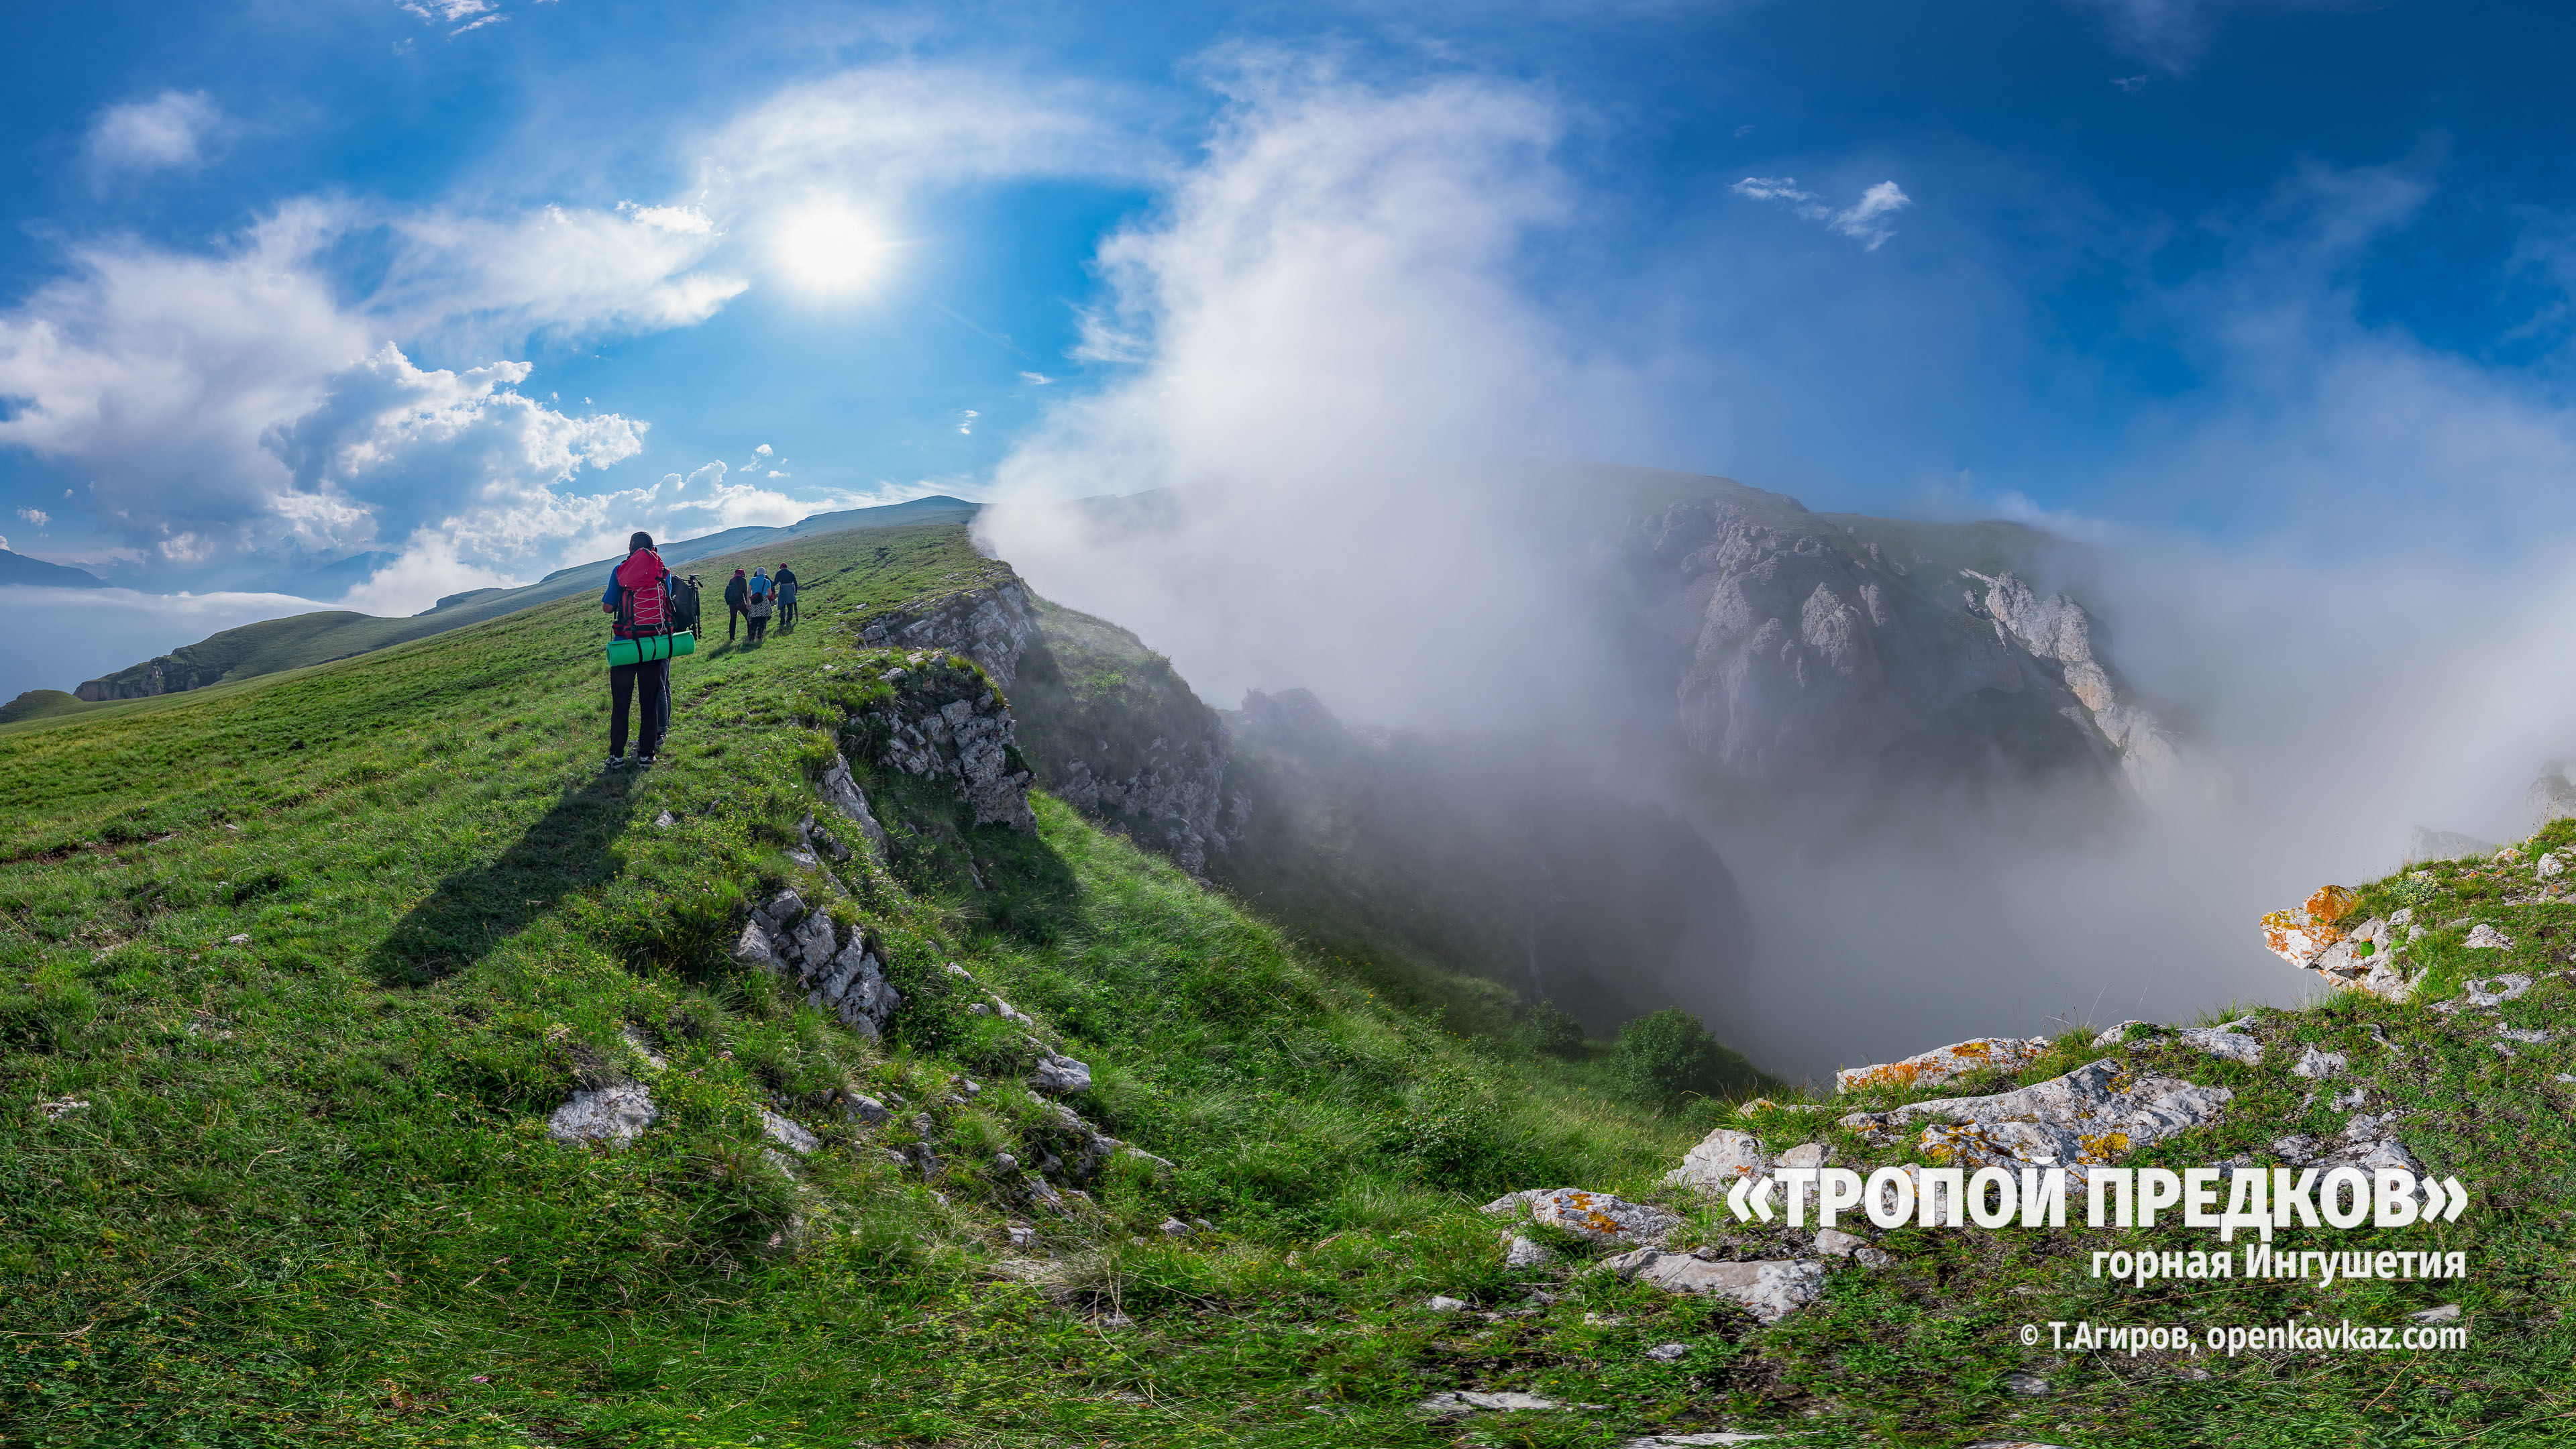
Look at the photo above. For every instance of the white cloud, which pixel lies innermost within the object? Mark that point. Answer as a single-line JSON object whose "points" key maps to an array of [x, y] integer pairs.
{"points": [[458, 470], [166, 132], [1326, 319], [36, 516], [487, 281], [1865, 221], [884, 130], [1036, 379]]}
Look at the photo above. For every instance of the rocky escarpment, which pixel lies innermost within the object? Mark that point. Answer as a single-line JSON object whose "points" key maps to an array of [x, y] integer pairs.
{"points": [[942, 718], [1805, 651], [1115, 732], [1105, 724]]}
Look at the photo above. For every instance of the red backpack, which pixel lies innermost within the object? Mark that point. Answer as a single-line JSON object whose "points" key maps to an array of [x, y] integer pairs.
{"points": [[645, 610]]}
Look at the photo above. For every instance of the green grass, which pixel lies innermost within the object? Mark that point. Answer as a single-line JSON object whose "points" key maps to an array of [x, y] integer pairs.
{"points": [[310, 1197]]}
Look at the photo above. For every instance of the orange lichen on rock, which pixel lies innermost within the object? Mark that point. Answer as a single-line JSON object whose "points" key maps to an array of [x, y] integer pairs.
{"points": [[2300, 936]]}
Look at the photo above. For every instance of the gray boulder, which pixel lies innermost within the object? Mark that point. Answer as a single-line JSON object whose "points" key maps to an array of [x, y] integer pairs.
{"points": [[2081, 1119], [1770, 1290], [613, 1115]]}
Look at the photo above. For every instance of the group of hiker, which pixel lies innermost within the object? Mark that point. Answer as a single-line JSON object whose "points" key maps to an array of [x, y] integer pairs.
{"points": [[756, 598], [655, 615]]}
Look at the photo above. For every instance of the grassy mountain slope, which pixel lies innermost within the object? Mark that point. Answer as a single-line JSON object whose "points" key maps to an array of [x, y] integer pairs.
{"points": [[292, 971], [298, 640], [316, 955]]}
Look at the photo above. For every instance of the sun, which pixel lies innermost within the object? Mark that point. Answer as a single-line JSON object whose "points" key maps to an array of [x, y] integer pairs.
{"points": [[832, 248]]}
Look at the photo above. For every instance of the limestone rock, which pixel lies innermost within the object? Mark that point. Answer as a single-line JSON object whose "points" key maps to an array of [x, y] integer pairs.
{"points": [[787, 1133], [2087, 1117], [842, 789], [1679, 1441], [1520, 1252], [1806, 1154], [861, 1108], [1060, 1074], [1721, 1159], [1835, 1243], [2120, 1033], [2320, 1064], [2483, 937], [852, 985], [1669, 1352], [2487, 991], [614, 1115], [1597, 1216], [2223, 1041], [1770, 1290], [1944, 1064], [1454, 1405]]}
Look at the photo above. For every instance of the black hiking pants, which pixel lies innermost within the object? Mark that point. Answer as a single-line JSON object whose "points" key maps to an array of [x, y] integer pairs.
{"points": [[625, 681], [733, 618]]}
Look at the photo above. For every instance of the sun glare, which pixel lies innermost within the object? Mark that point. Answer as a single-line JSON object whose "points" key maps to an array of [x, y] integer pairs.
{"points": [[832, 249]]}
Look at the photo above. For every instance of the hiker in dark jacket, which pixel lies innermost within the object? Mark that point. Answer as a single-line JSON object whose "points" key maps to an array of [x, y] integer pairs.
{"points": [[786, 584], [736, 592], [638, 598]]}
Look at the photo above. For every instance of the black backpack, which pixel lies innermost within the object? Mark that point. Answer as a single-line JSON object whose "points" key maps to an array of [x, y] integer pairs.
{"points": [[684, 604]]}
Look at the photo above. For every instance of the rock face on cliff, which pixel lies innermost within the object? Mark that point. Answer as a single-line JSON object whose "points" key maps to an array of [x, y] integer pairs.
{"points": [[1812, 647], [945, 720], [1104, 723], [1114, 732]]}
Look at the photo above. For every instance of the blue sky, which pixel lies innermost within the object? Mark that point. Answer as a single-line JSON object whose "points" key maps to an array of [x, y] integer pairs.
{"points": [[462, 290]]}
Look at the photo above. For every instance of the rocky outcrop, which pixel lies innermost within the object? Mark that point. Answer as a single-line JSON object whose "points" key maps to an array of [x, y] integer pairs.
{"points": [[990, 625], [1806, 655], [2056, 629], [843, 974], [2088, 1117], [1114, 732], [945, 719], [1770, 1290], [1943, 1065]]}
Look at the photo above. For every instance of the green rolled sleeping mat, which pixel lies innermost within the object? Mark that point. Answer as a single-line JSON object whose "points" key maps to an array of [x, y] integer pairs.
{"points": [[652, 647]]}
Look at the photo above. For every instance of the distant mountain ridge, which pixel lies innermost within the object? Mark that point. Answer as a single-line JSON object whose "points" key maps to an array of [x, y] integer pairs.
{"points": [[299, 640], [17, 568]]}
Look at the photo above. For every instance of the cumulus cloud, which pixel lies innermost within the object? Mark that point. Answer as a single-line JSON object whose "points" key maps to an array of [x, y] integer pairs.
{"points": [[457, 469], [168, 132], [1319, 325], [36, 516], [193, 391], [1865, 221], [888, 129]]}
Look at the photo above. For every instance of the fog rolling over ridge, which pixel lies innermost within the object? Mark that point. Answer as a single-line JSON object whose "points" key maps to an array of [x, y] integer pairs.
{"points": [[1933, 834], [1938, 826]]}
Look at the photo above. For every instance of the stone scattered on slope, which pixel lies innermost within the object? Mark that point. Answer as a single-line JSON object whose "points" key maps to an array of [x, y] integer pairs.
{"points": [[1943, 1065], [2444, 1314], [1060, 1074], [1668, 1352], [2487, 991], [1463, 1402], [2225, 1040], [1594, 1216], [614, 1115], [2120, 1033], [842, 789], [1835, 1243], [787, 1133], [1806, 1154], [2483, 937], [2085, 1118], [2320, 1064], [1442, 1303], [1520, 1252], [1676, 1441], [1770, 1290], [1722, 1159]]}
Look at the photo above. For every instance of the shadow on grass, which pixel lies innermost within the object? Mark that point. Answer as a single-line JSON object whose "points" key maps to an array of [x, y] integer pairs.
{"points": [[477, 908]]}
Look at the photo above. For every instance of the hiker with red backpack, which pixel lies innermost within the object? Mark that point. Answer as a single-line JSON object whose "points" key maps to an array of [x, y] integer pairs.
{"points": [[639, 597]]}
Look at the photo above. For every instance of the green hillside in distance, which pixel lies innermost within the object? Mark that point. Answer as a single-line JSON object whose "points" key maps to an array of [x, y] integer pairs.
{"points": [[305, 639]]}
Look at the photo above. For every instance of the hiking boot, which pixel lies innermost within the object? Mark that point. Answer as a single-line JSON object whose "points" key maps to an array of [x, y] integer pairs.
{"points": [[643, 762], [615, 763]]}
